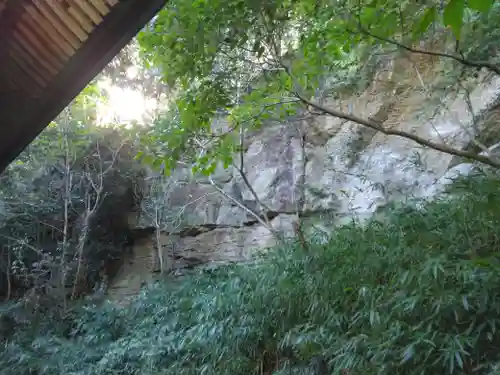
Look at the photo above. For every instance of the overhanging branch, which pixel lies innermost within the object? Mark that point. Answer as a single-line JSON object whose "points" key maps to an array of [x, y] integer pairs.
{"points": [[399, 133], [473, 64]]}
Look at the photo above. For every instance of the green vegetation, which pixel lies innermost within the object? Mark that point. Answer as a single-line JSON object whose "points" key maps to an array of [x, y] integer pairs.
{"points": [[260, 60], [418, 294], [64, 202]]}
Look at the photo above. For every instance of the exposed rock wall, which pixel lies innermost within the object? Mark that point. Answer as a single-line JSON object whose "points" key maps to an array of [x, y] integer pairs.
{"points": [[343, 170]]}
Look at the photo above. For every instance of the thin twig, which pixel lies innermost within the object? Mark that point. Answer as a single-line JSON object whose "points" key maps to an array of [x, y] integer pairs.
{"points": [[476, 142], [9, 277], [159, 219]]}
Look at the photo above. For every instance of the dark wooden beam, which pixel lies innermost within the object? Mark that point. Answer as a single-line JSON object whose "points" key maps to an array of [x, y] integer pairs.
{"points": [[10, 16], [124, 21], [11, 13]]}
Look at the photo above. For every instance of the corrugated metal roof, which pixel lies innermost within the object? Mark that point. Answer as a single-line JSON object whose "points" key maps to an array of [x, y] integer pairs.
{"points": [[49, 51]]}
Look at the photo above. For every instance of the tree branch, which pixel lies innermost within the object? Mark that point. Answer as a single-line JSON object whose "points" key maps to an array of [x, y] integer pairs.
{"points": [[243, 175], [403, 134], [468, 101], [301, 184], [91, 209], [245, 208], [236, 201], [240, 169], [473, 64], [158, 202]]}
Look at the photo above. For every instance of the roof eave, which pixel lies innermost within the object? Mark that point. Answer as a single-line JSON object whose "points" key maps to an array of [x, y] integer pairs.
{"points": [[118, 28]]}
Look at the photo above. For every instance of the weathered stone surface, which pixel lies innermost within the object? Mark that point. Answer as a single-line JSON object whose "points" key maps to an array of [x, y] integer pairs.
{"points": [[349, 171], [273, 166], [173, 205], [223, 244], [357, 180], [135, 272], [460, 170], [193, 248]]}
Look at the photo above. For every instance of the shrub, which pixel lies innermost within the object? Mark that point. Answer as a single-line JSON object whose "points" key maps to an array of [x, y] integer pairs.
{"points": [[418, 293]]}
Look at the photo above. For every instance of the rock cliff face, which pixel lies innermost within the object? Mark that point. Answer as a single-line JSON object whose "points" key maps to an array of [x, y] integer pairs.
{"points": [[330, 169]]}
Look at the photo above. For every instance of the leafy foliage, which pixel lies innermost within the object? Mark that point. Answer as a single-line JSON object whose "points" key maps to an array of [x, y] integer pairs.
{"points": [[58, 176], [417, 293], [251, 58]]}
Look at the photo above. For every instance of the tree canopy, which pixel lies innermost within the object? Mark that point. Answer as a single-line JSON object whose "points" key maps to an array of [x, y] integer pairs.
{"points": [[255, 61]]}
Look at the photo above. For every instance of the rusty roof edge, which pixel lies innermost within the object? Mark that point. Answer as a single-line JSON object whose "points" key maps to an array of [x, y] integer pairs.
{"points": [[96, 53]]}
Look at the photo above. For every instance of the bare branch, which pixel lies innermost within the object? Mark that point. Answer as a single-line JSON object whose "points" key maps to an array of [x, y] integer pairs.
{"points": [[483, 148], [68, 178], [158, 205], [240, 169], [9, 277], [301, 184], [242, 154], [245, 208], [473, 64], [470, 107], [422, 141], [92, 209]]}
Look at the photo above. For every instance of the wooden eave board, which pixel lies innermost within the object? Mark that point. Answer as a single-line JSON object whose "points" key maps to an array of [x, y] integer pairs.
{"points": [[49, 51]]}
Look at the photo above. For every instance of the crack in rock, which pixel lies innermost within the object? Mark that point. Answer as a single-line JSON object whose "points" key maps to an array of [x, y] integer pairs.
{"points": [[196, 230]]}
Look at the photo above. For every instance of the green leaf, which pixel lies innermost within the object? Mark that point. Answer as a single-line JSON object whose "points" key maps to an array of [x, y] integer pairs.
{"points": [[157, 163], [368, 16], [148, 159], [453, 16], [423, 24], [139, 155], [480, 5]]}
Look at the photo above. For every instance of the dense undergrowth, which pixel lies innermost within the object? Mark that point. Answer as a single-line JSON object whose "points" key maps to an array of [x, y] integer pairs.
{"points": [[417, 294]]}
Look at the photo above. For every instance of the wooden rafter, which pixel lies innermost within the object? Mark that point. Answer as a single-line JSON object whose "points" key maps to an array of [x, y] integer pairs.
{"points": [[49, 51]]}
